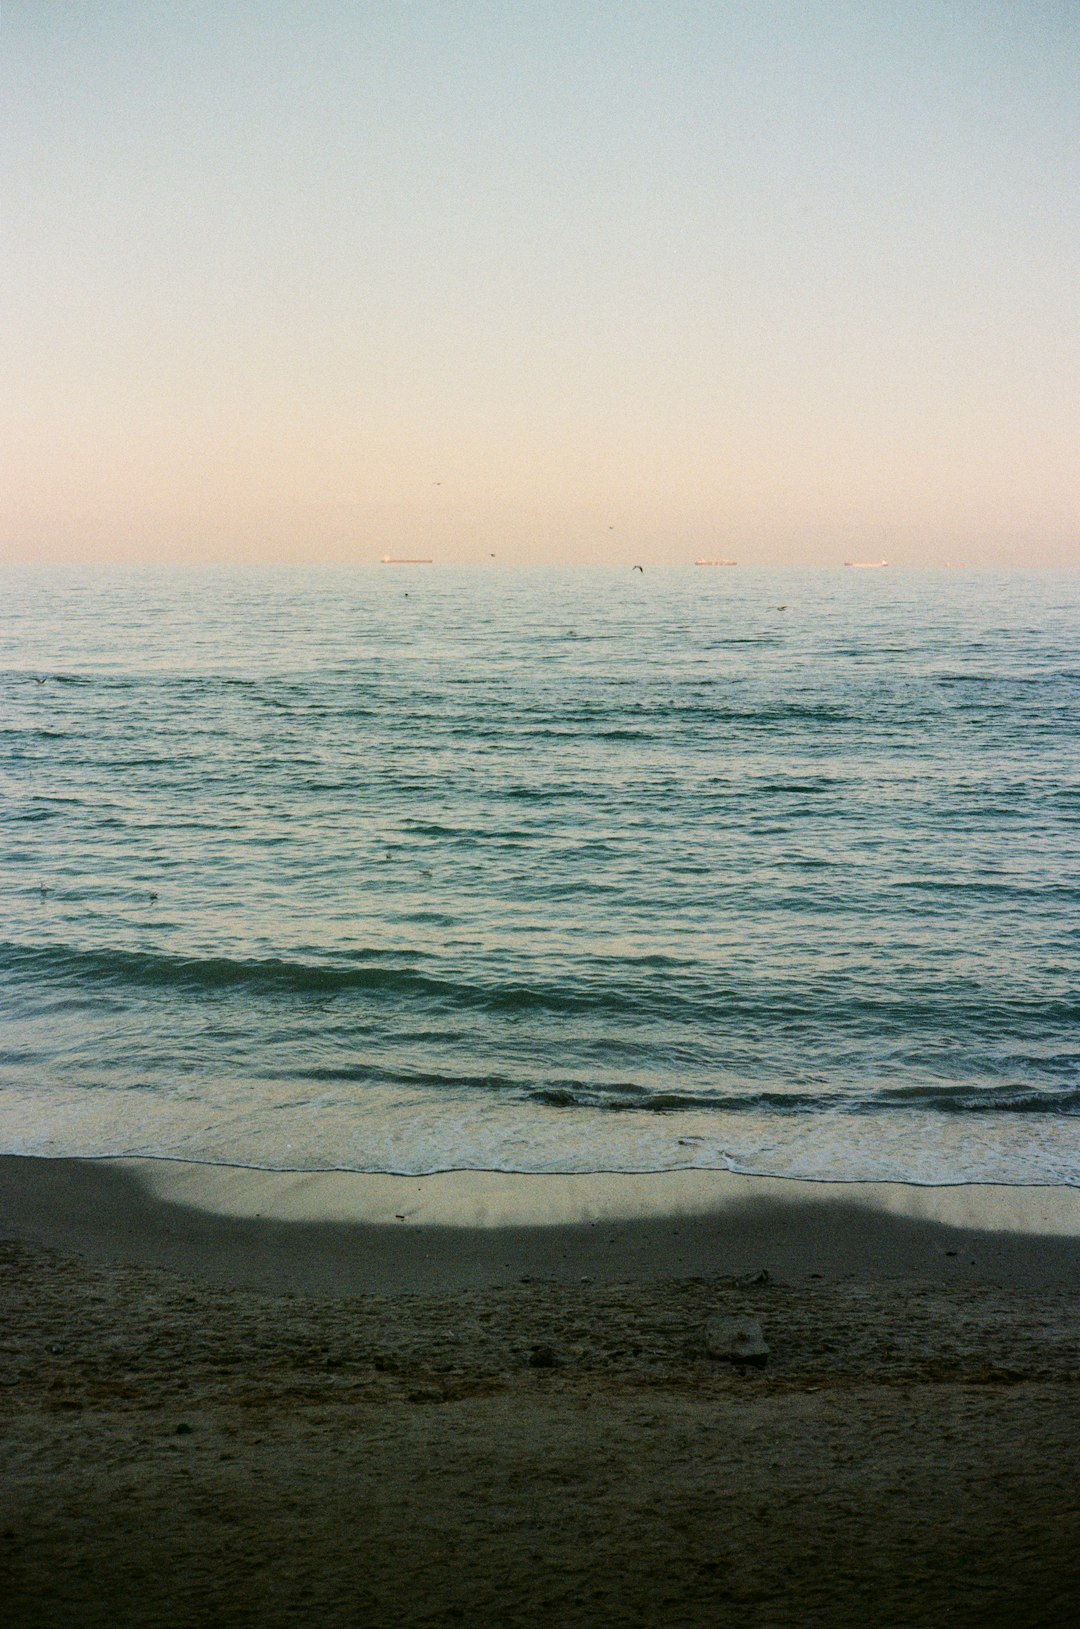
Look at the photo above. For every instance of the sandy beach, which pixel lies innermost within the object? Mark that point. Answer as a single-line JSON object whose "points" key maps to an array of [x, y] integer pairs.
{"points": [[240, 1398]]}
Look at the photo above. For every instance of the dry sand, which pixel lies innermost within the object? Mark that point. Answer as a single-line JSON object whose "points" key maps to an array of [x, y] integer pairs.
{"points": [[233, 1399]]}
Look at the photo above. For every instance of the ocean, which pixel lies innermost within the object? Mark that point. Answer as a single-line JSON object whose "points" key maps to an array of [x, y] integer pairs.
{"points": [[411, 869]]}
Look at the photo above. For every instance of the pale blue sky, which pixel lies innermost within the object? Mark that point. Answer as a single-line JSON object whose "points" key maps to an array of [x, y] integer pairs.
{"points": [[781, 280]]}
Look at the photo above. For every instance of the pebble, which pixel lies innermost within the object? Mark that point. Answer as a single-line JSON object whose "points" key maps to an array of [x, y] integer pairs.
{"points": [[736, 1340]]}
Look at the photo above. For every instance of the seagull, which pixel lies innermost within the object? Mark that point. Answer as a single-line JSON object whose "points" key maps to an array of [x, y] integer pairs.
{"points": [[45, 680], [641, 569]]}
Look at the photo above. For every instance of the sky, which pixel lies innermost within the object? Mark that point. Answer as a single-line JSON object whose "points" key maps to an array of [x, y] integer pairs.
{"points": [[554, 281]]}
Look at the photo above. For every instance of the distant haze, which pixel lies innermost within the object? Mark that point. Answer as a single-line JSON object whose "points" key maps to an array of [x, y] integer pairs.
{"points": [[792, 281]]}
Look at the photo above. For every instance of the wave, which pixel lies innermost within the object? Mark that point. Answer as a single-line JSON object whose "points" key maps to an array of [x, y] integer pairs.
{"points": [[601, 986], [942, 1099], [275, 977]]}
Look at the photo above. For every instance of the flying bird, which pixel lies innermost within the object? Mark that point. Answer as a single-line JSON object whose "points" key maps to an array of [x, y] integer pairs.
{"points": [[641, 569]]}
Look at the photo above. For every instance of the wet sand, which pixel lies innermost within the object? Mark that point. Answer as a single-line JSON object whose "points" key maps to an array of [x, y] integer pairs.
{"points": [[231, 1398]]}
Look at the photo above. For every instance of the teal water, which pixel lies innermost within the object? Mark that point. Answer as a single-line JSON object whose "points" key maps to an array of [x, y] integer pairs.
{"points": [[413, 869]]}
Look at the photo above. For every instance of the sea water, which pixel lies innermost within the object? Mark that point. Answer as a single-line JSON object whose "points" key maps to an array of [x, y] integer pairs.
{"points": [[408, 868]]}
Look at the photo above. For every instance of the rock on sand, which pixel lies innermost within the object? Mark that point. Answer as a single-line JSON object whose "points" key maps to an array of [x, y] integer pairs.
{"points": [[735, 1340]]}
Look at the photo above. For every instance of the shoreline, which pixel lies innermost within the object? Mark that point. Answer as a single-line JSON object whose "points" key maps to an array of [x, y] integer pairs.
{"points": [[354, 1234]]}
